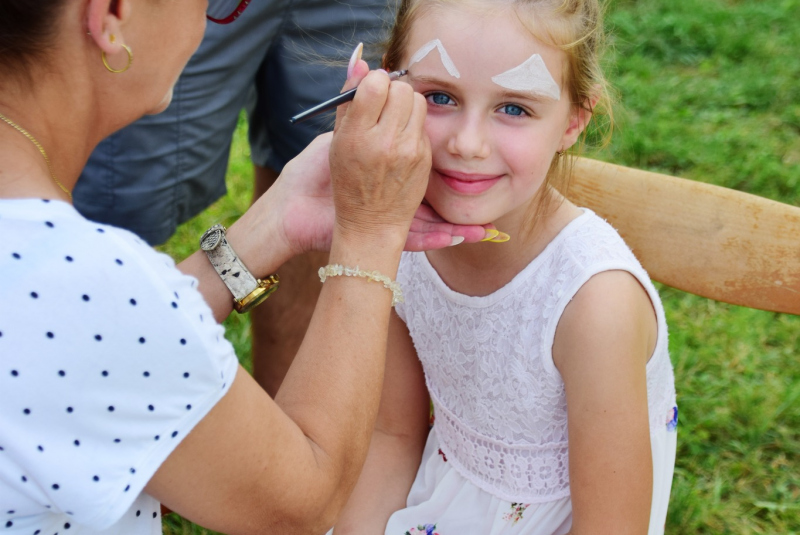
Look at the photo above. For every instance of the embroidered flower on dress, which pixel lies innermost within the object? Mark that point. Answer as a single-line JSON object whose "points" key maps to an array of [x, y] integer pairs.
{"points": [[516, 512], [672, 419], [426, 529], [443, 455]]}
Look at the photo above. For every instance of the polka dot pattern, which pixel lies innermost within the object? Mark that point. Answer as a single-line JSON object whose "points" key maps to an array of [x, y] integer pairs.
{"points": [[119, 345]]}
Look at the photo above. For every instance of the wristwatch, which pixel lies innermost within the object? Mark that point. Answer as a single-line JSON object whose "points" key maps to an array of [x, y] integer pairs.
{"points": [[247, 290]]}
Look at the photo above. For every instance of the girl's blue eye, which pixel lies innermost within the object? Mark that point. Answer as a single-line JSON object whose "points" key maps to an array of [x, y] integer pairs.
{"points": [[440, 99], [513, 109]]}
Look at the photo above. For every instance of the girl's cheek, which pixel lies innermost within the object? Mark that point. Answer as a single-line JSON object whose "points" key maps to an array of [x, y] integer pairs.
{"points": [[436, 128], [526, 144]]}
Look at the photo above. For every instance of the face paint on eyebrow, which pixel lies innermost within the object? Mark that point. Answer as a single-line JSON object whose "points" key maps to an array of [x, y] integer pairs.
{"points": [[531, 76], [445, 57]]}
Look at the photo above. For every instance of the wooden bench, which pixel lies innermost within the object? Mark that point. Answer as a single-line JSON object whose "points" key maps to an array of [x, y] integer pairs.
{"points": [[707, 240]]}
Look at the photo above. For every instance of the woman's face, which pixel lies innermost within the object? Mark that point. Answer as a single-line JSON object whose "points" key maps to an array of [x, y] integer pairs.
{"points": [[163, 35]]}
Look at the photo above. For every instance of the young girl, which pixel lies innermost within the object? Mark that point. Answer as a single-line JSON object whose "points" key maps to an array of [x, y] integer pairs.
{"points": [[545, 358]]}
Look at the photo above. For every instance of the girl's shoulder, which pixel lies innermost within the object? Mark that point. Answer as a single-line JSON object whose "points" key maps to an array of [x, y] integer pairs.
{"points": [[590, 246], [590, 240], [593, 270]]}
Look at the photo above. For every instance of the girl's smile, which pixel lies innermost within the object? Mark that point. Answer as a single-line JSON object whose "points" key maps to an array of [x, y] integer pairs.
{"points": [[466, 183]]}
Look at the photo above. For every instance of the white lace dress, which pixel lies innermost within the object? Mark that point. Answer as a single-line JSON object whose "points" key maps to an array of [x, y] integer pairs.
{"points": [[496, 459]]}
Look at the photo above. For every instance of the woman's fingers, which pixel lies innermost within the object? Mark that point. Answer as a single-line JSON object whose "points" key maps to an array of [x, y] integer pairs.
{"points": [[429, 231], [427, 241], [419, 112], [360, 70], [426, 213], [399, 105], [379, 163], [366, 108]]}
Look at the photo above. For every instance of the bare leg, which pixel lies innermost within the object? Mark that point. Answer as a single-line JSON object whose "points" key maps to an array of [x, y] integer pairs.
{"points": [[279, 325]]}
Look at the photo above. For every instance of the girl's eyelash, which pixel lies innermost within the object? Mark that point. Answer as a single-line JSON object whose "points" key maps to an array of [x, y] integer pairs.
{"points": [[430, 96], [524, 111]]}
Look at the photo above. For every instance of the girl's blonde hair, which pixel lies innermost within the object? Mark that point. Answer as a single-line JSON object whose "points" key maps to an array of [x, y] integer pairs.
{"points": [[573, 26]]}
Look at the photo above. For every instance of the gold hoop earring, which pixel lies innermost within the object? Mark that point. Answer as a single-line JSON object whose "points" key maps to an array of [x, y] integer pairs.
{"points": [[560, 153], [118, 71]]}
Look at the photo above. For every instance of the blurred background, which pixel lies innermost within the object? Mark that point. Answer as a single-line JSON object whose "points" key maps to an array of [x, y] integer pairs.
{"points": [[708, 90]]}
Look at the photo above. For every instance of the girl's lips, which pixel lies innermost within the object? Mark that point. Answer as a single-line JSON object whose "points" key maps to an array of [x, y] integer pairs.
{"points": [[469, 184]]}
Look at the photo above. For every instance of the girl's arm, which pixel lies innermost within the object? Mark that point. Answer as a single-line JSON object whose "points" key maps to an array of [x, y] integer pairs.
{"points": [[397, 443], [603, 342]]}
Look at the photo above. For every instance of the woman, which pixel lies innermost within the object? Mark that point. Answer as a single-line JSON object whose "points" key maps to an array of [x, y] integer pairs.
{"points": [[117, 390]]}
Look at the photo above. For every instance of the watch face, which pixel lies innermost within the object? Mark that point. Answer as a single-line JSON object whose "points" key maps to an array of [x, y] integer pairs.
{"points": [[211, 239]]}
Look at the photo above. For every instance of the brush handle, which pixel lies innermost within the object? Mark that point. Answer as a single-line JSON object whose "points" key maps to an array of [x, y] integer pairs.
{"points": [[336, 101]]}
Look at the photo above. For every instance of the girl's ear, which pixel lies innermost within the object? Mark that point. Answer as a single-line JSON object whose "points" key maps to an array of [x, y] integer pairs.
{"points": [[104, 21], [578, 121]]}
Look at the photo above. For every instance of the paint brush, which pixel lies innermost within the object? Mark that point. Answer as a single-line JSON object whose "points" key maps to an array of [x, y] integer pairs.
{"points": [[338, 100]]}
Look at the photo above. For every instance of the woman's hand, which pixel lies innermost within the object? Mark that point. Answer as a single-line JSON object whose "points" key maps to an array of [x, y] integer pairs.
{"points": [[307, 199], [380, 157], [308, 213], [429, 231]]}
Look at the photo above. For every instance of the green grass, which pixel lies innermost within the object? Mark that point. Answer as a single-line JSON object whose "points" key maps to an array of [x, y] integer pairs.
{"points": [[708, 90]]}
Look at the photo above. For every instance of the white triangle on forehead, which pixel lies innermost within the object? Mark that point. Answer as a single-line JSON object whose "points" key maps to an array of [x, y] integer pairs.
{"points": [[531, 76], [445, 57]]}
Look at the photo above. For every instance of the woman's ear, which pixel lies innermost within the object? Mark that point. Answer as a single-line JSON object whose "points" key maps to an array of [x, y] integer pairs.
{"points": [[104, 21]]}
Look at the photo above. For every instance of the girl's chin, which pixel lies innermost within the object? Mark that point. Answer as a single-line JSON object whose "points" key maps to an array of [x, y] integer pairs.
{"points": [[457, 215]]}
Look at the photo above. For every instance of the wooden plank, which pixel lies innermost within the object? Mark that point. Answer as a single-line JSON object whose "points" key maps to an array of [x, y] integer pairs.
{"points": [[707, 240]]}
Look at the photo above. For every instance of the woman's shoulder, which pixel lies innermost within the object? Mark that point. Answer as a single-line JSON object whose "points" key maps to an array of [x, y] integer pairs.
{"points": [[43, 222], [42, 235], [65, 268]]}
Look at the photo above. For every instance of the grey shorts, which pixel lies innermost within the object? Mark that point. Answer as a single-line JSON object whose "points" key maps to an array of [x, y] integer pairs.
{"points": [[274, 61]]}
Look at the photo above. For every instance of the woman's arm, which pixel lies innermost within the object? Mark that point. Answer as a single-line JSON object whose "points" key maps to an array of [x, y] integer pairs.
{"points": [[301, 199], [296, 215], [603, 342], [254, 465], [397, 443]]}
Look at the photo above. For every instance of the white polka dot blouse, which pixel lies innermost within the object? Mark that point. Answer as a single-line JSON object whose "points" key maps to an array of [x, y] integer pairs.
{"points": [[108, 358]]}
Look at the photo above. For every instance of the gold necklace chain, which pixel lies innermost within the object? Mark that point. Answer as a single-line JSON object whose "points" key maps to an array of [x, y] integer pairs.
{"points": [[38, 145]]}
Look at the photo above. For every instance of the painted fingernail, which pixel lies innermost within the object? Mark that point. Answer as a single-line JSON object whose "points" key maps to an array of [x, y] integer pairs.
{"points": [[490, 234], [354, 59], [456, 240], [501, 237]]}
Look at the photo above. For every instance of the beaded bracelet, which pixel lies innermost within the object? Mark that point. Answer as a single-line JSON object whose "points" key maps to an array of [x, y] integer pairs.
{"points": [[337, 270]]}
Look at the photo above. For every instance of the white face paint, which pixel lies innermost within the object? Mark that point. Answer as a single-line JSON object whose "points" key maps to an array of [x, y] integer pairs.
{"points": [[531, 76], [445, 57]]}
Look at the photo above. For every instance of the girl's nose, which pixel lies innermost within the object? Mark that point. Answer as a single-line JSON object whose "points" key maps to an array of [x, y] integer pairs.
{"points": [[470, 140]]}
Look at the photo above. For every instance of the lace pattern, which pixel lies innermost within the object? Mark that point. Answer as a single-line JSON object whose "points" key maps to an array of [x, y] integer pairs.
{"points": [[500, 403], [534, 473]]}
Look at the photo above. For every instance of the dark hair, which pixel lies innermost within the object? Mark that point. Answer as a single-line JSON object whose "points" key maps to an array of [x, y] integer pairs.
{"points": [[27, 29]]}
